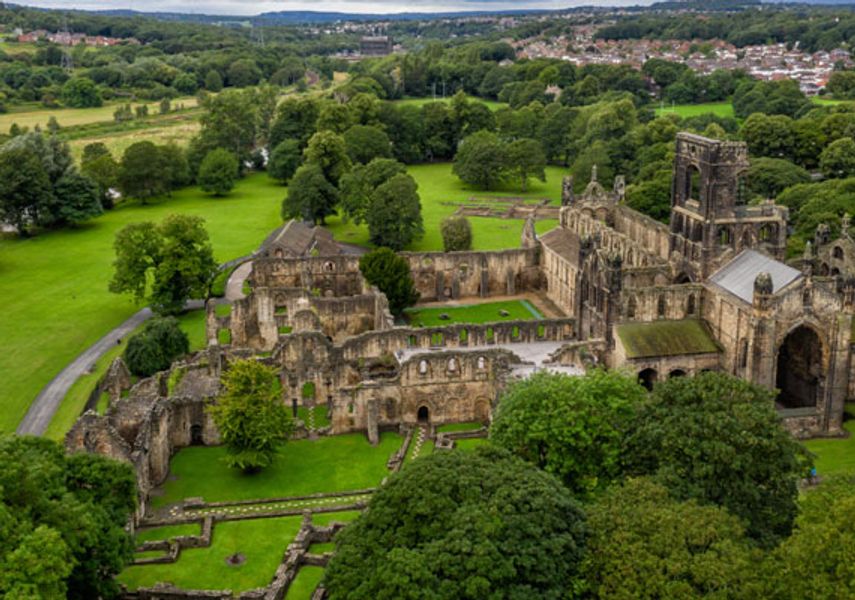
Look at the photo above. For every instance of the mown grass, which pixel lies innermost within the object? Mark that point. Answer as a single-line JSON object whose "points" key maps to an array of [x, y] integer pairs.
{"points": [[474, 313], [441, 193], [456, 427], [471, 444], [166, 533], [262, 542], [68, 117], [324, 519], [305, 583], [491, 104], [329, 464], [720, 109], [55, 285], [836, 456]]}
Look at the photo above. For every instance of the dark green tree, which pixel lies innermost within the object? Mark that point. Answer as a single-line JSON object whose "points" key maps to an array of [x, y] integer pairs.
{"points": [[25, 189], [328, 151], [718, 440], [176, 168], [838, 159], [104, 171], [526, 160], [175, 258], [76, 199], [250, 416], [481, 160], [218, 172], [230, 120], [394, 215], [141, 172], [213, 81], [285, 160], [768, 177], [456, 234], [462, 525], [156, 347], [392, 276], [364, 143], [357, 186], [81, 92], [311, 197], [573, 427]]}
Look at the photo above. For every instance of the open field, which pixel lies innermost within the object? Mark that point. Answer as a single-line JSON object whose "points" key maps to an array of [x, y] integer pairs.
{"points": [[55, 284], [68, 117], [328, 464], [440, 190], [836, 456], [491, 104], [262, 542], [721, 109], [518, 310], [178, 133]]}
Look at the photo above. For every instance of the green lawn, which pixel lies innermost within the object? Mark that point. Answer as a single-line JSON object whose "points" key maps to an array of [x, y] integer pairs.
{"points": [[440, 190], [836, 456], [491, 104], [262, 542], [470, 444], [157, 534], [321, 548], [721, 109], [324, 519], [518, 310], [329, 464], [305, 583], [457, 427], [55, 285]]}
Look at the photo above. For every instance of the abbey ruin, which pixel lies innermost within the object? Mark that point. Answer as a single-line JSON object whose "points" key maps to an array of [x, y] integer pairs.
{"points": [[710, 291]]}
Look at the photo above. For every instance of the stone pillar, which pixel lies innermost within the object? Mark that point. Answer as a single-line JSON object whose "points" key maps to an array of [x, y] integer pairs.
{"points": [[211, 323], [510, 282], [440, 285], [371, 422]]}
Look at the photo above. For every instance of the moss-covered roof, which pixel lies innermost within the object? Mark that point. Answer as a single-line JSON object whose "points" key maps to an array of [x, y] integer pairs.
{"points": [[666, 338]]}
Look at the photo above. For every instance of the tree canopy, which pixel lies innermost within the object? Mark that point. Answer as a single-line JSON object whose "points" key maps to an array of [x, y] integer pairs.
{"points": [[311, 196], [218, 172], [394, 215], [155, 347], [391, 274]]}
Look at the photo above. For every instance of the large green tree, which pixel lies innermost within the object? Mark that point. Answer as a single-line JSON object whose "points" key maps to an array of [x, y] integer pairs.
{"points": [[285, 160], [525, 161], [462, 525], [837, 161], [573, 427], [768, 177], [481, 160], [357, 187], [155, 347], [364, 143], [391, 274], [328, 151], [168, 263], [25, 189], [218, 172], [252, 420], [717, 439], [644, 544], [230, 120], [311, 197], [81, 92], [141, 172], [394, 216], [62, 519]]}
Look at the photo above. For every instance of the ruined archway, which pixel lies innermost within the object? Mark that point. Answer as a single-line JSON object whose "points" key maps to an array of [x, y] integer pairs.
{"points": [[647, 378], [423, 415], [799, 369], [196, 437]]}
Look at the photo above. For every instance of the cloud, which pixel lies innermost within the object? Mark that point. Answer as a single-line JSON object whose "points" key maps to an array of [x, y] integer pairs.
{"points": [[254, 7]]}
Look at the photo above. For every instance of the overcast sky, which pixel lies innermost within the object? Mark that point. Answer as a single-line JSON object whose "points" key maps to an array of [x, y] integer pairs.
{"points": [[253, 7]]}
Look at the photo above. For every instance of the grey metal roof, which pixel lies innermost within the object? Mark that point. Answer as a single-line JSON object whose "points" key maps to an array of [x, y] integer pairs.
{"points": [[737, 276]]}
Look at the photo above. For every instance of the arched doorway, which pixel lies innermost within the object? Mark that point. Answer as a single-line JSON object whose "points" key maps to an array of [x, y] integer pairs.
{"points": [[196, 435], [424, 414], [647, 378], [676, 373], [682, 278], [799, 369]]}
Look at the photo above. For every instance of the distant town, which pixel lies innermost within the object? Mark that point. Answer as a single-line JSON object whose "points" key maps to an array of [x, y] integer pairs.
{"points": [[64, 38]]}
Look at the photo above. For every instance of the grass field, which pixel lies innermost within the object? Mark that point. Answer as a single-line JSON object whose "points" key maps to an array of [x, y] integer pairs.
{"points": [[55, 284], [305, 583], [179, 133], [518, 310], [165, 533], [491, 104], [68, 117], [721, 109], [471, 444], [262, 542], [441, 192], [457, 427], [836, 456], [329, 464]]}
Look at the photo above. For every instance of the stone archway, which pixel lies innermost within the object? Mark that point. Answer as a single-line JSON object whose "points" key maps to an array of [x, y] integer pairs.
{"points": [[677, 373], [647, 378], [196, 435], [800, 360], [423, 415]]}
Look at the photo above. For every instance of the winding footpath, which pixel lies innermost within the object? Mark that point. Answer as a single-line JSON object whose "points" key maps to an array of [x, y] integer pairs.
{"points": [[45, 405]]}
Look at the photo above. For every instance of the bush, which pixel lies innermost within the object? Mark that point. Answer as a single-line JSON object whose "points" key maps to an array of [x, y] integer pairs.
{"points": [[456, 234], [218, 172], [155, 348]]}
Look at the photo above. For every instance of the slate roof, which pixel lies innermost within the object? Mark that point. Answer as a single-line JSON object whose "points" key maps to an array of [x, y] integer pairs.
{"points": [[296, 239], [563, 242], [737, 276]]}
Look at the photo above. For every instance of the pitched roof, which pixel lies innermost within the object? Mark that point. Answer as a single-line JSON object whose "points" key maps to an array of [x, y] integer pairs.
{"points": [[563, 242], [666, 338], [737, 276], [297, 239]]}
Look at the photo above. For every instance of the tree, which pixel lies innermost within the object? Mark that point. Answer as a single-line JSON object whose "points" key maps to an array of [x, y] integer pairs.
{"points": [[141, 172], [327, 150], [213, 81], [25, 189], [365, 143], [357, 186], [717, 439], [525, 160], [310, 196], [104, 171], [768, 177], [481, 160], [176, 168], [391, 274], [462, 525], [156, 347], [250, 416], [175, 257], [244, 72], [76, 199], [394, 216], [456, 234], [187, 84], [285, 160], [218, 172], [63, 521], [81, 92], [572, 427], [838, 159], [645, 544], [230, 121]]}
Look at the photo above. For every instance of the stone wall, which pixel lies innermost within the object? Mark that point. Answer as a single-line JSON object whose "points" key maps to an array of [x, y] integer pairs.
{"points": [[671, 302]]}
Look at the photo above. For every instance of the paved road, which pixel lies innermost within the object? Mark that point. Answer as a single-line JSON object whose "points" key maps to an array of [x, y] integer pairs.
{"points": [[47, 402]]}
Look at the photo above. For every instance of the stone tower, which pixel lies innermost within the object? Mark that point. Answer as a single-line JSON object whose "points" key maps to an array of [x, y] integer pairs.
{"points": [[711, 221]]}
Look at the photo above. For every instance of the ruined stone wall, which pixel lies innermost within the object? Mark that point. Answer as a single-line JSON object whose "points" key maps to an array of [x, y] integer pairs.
{"points": [[333, 276], [561, 281], [648, 233], [585, 225], [451, 275], [671, 302]]}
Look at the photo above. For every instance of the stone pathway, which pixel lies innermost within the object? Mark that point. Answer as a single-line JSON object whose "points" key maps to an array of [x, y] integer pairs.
{"points": [[421, 436], [311, 422], [263, 508]]}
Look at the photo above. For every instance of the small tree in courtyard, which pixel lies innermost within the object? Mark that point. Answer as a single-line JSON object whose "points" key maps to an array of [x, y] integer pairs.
{"points": [[395, 213], [250, 416], [456, 234], [155, 348], [218, 172], [391, 274]]}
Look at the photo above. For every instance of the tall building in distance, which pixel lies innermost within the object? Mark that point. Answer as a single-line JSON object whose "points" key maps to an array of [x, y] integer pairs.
{"points": [[376, 45]]}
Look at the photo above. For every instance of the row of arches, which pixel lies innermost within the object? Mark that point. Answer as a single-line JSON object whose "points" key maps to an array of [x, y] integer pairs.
{"points": [[691, 307]]}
